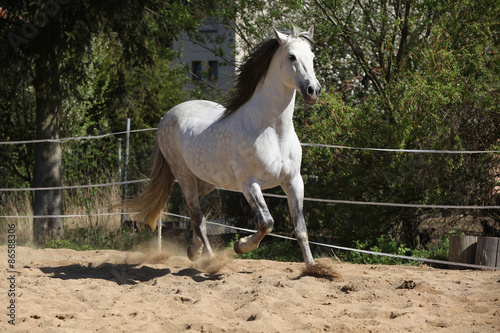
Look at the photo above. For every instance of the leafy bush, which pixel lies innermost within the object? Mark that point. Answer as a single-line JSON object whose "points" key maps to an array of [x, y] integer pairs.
{"points": [[276, 249], [438, 252], [383, 245], [390, 246]]}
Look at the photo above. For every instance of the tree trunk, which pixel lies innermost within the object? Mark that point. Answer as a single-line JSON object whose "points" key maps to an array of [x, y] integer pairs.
{"points": [[48, 156]]}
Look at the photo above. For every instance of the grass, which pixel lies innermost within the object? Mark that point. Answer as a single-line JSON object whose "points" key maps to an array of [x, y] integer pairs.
{"points": [[16, 204], [86, 202], [99, 238]]}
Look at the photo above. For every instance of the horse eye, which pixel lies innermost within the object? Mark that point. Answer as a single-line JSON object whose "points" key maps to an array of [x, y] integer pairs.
{"points": [[292, 57]]}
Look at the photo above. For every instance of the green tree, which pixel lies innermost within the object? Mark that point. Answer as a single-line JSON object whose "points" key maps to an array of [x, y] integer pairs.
{"points": [[50, 40], [399, 74], [419, 75], [402, 74]]}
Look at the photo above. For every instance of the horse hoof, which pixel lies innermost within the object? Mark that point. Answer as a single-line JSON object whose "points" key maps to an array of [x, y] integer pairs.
{"points": [[243, 245], [237, 248], [194, 253]]}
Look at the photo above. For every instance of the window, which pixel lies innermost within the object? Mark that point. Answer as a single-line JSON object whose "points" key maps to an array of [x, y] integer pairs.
{"points": [[200, 71], [213, 70], [208, 25], [196, 70]]}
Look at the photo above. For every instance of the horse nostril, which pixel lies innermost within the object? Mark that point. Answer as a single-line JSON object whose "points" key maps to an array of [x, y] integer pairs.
{"points": [[318, 92], [310, 90]]}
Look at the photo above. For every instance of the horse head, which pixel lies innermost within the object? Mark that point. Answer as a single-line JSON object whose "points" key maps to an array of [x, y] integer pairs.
{"points": [[297, 63]]}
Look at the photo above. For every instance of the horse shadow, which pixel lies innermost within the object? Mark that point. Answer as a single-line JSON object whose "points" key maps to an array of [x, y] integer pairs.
{"points": [[197, 275], [119, 273], [123, 273]]}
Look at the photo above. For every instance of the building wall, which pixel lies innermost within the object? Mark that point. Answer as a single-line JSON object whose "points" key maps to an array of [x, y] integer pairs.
{"points": [[201, 56]]}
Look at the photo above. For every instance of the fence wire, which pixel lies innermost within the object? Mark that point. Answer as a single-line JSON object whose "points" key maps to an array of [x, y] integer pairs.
{"points": [[270, 195], [421, 151], [76, 138]]}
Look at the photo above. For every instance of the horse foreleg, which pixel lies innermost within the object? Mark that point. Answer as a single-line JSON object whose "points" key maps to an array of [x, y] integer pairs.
{"points": [[294, 190], [254, 196]]}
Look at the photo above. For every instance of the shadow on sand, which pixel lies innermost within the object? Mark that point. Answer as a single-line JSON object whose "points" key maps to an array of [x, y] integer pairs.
{"points": [[119, 273]]}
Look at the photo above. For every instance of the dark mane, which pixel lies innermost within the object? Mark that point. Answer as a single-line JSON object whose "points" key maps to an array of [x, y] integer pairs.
{"points": [[253, 69], [250, 73]]}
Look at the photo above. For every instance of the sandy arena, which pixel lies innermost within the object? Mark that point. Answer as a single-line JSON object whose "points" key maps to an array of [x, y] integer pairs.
{"points": [[111, 291]]}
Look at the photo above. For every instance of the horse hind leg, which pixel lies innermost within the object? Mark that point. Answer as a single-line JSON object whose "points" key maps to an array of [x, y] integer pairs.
{"points": [[193, 196], [254, 196], [200, 238]]}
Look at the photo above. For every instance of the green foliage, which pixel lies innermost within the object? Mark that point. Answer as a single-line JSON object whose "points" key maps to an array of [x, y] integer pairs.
{"points": [[278, 250], [98, 238], [438, 252], [436, 87], [66, 244], [16, 123], [414, 75], [390, 246], [114, 66], [383, 245]]}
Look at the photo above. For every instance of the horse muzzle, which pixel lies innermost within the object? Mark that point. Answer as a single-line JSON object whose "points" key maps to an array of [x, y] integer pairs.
{"points": [[310, 92]]}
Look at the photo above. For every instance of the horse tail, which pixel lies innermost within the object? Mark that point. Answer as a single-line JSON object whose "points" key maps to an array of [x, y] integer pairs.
{"points": [[150, 203]]}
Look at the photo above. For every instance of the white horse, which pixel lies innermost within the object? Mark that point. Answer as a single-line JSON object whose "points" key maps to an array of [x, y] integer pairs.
{"points": [[249, 146]]}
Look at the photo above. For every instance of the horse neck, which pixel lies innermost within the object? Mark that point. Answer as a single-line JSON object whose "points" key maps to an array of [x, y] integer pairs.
{"points": [[272, 104]]}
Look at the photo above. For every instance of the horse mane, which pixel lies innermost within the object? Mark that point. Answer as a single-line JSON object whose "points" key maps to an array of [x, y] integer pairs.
{"points": [[254, 69]]}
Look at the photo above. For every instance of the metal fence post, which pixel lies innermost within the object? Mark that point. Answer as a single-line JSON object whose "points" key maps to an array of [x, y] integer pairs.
{"points": [[119, 159], [125, 168], [159, 234]]}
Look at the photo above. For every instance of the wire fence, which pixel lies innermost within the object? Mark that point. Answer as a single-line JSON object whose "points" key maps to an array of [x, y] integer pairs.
{"points": [[76, 138], [270, 195], [419, 151], [319, 200], [389, 204]]}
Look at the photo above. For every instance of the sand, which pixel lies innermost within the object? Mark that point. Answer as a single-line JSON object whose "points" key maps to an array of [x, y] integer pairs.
{"points": [[110, 291]]}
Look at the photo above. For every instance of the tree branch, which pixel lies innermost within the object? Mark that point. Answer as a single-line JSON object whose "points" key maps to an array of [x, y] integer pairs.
{"points": [[404, 35], [356, 50]]}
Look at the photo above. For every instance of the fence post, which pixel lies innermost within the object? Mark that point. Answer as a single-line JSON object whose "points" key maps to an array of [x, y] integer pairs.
{"points": [[462, 250], [125, 168], [159, 234], [119, 159], [487, 251]]}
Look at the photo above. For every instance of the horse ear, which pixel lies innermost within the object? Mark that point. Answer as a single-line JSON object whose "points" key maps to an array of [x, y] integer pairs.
{"points": [[281, 37], [311, 32]]}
